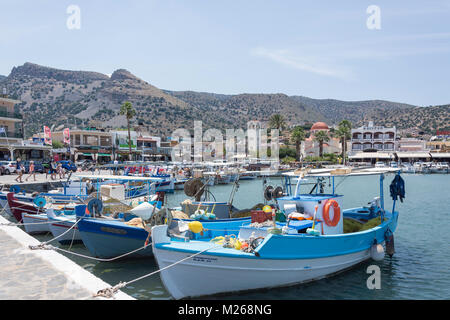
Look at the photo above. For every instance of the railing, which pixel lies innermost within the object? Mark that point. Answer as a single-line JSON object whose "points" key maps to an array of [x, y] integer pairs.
{"points": [[372, 140], [14, 115], [11, 135]]}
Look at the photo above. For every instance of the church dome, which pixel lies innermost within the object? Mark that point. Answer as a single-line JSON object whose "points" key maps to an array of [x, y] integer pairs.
{"points": [[320, 126]]}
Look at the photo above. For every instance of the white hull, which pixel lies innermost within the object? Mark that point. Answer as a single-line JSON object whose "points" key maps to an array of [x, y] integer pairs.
{"points": [[207, 274], [35, 223], [60, 226], [179, 185]]}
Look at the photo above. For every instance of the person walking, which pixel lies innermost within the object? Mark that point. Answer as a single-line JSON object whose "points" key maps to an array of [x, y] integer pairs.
{"points": [[19, 169], [31, 171], [53, 167]]}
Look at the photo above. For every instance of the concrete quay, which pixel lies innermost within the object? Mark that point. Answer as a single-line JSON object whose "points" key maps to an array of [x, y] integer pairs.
{"points": [[27, 274]]}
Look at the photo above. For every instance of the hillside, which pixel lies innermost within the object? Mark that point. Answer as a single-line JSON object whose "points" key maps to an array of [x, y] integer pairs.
{"points": [[80, 98]]}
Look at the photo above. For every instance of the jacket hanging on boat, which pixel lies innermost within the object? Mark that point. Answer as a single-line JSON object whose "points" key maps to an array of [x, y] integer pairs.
{"points": [[397, 188]]}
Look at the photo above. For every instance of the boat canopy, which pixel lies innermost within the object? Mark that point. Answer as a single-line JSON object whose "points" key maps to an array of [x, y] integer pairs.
{"points": [[113, 177], [345, 173]]}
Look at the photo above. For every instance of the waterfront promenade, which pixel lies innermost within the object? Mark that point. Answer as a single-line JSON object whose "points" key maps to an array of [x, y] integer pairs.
{"points": [[27, 274]]}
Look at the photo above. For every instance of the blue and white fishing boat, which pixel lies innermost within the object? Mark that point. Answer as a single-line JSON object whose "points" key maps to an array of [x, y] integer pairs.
{"points": [[70, 191], [310, 245], [41, 222], [109, 238]]}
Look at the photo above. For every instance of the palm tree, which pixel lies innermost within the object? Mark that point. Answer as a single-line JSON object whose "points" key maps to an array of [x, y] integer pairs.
{"points": [[297, 136], [344, 132], [128, 111], [277, 121], [321, 137]]}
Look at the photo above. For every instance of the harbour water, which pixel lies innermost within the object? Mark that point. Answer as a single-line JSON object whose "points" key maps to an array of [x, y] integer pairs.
{"points": [[420, 268]]}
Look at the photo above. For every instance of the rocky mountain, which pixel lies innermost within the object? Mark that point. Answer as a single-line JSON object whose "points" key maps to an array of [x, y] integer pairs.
{"points": [[62, 98], [2, 77]]}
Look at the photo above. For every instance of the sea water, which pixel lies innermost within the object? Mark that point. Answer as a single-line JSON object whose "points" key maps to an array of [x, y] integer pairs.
{"points": [[419, 269]]}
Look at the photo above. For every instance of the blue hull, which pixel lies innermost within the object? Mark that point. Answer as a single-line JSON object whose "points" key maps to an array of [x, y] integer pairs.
{"points": [[109, 238]]}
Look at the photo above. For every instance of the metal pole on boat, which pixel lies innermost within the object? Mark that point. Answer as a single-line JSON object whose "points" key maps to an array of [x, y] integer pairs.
{"points": [[381, 191], [333, 184]]}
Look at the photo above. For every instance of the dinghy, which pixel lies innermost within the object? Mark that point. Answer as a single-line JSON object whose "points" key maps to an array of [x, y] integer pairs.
{"points": [[310, 245]]}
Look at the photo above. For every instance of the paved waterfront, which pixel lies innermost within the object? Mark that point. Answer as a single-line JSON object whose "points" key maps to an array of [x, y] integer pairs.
{"points": [[41, 177], [27, 274]]}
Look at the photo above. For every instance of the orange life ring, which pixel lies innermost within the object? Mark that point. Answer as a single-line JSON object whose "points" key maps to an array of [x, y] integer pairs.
{"points": [[326, 213]]}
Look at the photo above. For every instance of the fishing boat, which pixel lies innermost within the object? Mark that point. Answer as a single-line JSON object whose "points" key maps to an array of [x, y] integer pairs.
{"points": [[19, 196], [105, 237], [179, 183], [407, 168], [70, 191], [310, 245], [63, 227], [439, 167], [40, 222]]}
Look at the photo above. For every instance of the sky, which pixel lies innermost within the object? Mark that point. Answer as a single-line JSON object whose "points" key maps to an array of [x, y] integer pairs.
{"points": [[320, 49]]}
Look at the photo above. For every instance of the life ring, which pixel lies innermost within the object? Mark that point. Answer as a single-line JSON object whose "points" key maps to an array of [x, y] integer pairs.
{"points": [[326, 213]]}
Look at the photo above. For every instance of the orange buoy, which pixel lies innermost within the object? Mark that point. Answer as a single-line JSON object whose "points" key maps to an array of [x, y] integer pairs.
{"points": [[326, 213]]}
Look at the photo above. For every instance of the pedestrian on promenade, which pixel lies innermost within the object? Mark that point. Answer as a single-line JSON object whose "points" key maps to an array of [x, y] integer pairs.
{"points": [[58, 170], [19, 170], [31, 171], [53, 169]]}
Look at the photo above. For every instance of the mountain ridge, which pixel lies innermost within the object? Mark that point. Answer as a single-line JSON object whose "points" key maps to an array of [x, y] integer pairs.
{"points": [[63, 98]]}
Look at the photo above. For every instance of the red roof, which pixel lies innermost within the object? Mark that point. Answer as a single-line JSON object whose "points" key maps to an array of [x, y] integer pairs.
{"points": [[320, 126]]}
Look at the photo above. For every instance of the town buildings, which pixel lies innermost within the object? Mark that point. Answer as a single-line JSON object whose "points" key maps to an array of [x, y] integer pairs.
{"points": [[12, 144]]}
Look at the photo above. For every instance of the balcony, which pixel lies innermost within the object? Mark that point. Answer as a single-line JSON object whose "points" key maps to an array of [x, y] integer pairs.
{"points": [[13, 115], [16, 135]]}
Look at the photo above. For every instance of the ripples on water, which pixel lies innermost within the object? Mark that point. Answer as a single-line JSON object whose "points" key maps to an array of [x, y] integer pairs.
{"points": [[418, 270]]}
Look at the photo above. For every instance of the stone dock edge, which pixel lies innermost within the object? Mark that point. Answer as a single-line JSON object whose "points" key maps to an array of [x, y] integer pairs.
{"points": [[73, 272]]}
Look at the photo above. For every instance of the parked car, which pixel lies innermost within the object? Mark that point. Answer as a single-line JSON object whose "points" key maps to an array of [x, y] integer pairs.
{"points": [[380, 164], [38, 167], [68, 165], [9, 166]]}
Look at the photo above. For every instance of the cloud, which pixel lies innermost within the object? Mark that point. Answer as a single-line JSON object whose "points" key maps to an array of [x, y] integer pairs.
{"points": [[304, 63]]}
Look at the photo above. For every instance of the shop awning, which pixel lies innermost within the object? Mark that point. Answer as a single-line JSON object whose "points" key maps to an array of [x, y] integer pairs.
{"points": [[105, 154], [372, 155], [441, 155], [413, 154], [87, 154]]}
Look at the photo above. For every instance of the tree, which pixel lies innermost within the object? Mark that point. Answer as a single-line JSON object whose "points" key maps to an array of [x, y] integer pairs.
{"points": [[57, 144], [297, 136], [321, 137], [277, 121], [128, 111], [344, 133]]}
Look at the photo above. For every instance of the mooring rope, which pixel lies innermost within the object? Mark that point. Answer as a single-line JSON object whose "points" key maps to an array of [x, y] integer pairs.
{"points": [[109, 292]]}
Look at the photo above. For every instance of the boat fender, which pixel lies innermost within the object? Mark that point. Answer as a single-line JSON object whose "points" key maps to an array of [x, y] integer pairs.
{"points": [[377, 252], [195, 226], [326, 213], [40, 202]]}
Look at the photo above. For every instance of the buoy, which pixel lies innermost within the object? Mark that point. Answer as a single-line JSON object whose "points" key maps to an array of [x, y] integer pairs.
{"points": [[195, 226], [390, 250], [267, 209], [377, 252]]}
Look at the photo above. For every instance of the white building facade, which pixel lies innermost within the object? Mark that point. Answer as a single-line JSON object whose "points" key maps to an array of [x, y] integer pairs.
{"points": [[376, 138]]}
